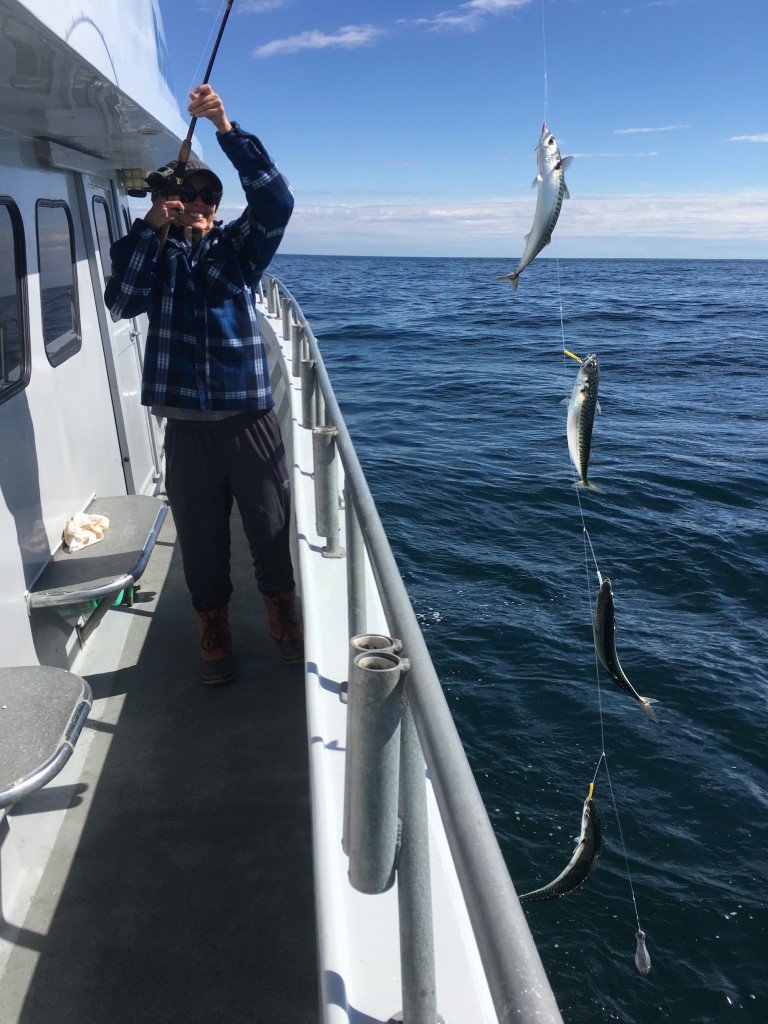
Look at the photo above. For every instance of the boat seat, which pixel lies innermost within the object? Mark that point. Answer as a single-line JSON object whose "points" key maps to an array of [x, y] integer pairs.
{"points": [[42, 712], [113, 564]]}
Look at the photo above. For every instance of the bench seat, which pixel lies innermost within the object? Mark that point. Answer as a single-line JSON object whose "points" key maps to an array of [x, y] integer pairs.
{"points": [[42, 711], [111, 565]]}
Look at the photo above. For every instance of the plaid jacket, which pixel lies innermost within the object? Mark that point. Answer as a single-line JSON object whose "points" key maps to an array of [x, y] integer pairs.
{"points": [[203, 348]]}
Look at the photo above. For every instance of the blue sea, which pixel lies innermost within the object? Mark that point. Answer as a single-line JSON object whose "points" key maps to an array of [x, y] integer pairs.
{"points": [[451, 386]]}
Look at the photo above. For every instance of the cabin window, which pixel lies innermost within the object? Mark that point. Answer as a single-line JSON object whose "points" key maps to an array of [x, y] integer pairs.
{"points": [[58, 287], [103, 235], [14, 345]]}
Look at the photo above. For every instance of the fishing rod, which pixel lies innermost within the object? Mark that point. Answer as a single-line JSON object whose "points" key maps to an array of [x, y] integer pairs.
{"points": [[168, 183], [186, 146]]}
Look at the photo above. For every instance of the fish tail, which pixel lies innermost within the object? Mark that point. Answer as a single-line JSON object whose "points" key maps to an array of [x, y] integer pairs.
{"points": [[588, 486], [646, 704], [513, 280]]}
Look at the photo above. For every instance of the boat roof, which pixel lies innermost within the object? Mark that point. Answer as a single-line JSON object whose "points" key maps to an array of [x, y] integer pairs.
{"points": [[85, 76]]}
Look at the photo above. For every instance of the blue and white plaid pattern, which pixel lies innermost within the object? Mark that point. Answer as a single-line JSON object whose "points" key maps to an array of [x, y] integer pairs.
{"points": [[203, 348]]}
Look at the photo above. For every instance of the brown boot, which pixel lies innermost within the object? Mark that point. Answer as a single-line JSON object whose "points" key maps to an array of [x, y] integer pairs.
{"points": [[284, 626], [216, 647]]}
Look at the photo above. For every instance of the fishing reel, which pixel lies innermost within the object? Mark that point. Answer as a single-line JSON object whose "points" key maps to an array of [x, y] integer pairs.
{"points": [[162, 182]]}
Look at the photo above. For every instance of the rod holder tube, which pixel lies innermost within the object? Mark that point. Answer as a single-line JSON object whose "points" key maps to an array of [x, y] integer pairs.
{"points": [[367, 643], [270, 296], [319, 408], [375, 709], [326, 469], [307, 373], [356, 614], [414, 894], [285, 310], [296, 348]]}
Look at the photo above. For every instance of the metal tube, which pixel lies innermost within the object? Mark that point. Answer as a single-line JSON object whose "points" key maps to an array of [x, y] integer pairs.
{"points": [[375, 767], [285, 308], [307, 393], [414, 892], [296, 346], [371, 643], [355, 568], [270, 296], [519, 985], [319, 408], [326, 472]]}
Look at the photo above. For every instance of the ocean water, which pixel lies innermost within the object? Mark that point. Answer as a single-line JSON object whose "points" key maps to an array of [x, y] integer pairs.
{"points": [[451, 387]]}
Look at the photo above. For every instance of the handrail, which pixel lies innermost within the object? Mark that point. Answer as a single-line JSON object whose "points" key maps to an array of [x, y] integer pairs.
{"points": [[518, 983]]}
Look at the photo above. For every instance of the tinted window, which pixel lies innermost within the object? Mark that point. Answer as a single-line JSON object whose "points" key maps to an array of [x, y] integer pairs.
{"points": [[58, 290], [104, 237], [14, 355]]}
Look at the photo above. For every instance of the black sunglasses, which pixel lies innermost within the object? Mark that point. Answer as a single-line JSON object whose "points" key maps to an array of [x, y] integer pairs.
{"points": [[187, 194]]}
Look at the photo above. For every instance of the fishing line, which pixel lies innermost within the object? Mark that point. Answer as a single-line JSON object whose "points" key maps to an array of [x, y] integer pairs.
{"points": [[214, 23], [544, 47], [588, 546]]}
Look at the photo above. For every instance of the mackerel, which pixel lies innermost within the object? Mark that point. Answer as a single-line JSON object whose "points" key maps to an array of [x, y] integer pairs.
{"points": [[588, 848], [581, 418], [605, 646], [552, 190]]}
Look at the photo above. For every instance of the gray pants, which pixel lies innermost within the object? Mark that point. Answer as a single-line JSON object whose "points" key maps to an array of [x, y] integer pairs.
{"points": [[207, 465]]}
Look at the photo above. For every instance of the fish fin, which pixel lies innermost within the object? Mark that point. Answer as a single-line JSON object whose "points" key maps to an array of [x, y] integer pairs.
{"points": [[566, 162], [512, 278], [588, 486], [536, 181], [598, 407], [645, 704], [566, 193], [527, 237], [566, 400]]}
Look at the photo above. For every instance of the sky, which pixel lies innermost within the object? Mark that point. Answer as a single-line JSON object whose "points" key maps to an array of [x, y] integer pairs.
{"points": [[408, 128]]}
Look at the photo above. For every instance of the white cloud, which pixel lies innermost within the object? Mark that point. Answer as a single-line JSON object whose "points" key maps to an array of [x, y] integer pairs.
{"points": [[260, 6], [607, 225], [349, 37], [470, 15], [647, 131], [749, 138]]}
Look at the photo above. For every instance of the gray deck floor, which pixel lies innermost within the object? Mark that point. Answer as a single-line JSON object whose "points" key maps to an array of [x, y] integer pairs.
{"points": [[190, 897]]}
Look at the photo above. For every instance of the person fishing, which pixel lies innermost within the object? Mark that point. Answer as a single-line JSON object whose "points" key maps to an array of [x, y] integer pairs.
{"points": [[205, 371]]}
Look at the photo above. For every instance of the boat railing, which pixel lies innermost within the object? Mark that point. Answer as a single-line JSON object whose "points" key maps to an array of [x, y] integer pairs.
{"points": [[518, 984]]}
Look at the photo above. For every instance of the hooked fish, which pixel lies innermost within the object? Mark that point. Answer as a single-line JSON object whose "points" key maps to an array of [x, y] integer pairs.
{"points": [[582, 863], [581, 417], [642, 956], [604, 627], [551, 192]]}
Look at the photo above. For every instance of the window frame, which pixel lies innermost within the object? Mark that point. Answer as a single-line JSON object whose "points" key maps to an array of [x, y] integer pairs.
{"points": [[98, 200], [72, 349], [22, 298]]}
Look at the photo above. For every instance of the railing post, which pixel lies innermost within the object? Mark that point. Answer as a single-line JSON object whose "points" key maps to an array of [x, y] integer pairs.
{"points": [[308, 393], [325, 463], [270, 296], [414, 893], [297, 344], [285, 308], [375, 709]]}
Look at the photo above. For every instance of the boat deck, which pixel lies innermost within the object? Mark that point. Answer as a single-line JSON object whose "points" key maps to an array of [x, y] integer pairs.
{"points": [[180, 886]]}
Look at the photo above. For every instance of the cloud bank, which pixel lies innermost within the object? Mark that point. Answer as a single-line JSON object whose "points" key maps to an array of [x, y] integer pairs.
{"points": [[688, 226]]}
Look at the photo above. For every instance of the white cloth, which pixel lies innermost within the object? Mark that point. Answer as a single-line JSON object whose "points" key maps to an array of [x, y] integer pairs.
{"points": [[83, 529]]}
